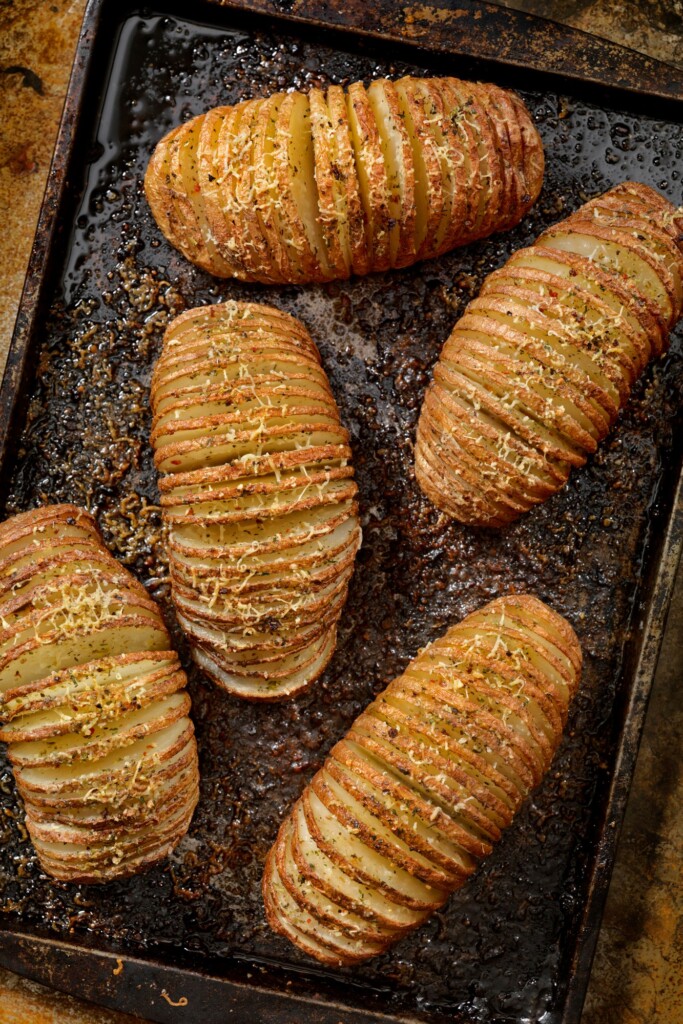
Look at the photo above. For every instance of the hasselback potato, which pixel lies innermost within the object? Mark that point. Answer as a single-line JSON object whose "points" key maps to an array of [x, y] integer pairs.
{"points": [[535, 372], [419, 790], [258, 496], [93, 703], [297, 188]]}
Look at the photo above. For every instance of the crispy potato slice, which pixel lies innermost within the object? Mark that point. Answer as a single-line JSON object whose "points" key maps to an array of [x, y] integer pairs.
{"points": [[364, 862], [310, 900], [251, 188], [128, 775], [294, 679], [532, 150], [330, 187], [373, 176], [430, 189], [168, 200], [406, 806], [299, 186], [76, 686], [488, 168], [86, 711], [131, 725], [397, 153], [211, 172], [615, 251], [354, 227], [189, 170]]}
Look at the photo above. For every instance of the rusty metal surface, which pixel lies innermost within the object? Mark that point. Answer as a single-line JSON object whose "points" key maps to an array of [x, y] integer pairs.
{"points": [[504, 949], [486, 31]]}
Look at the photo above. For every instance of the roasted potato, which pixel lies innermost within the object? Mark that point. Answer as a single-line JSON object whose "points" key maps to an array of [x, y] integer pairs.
{"points": [[258, 496], [418, 792], [535, 372], [92, 701], [298, 188]]}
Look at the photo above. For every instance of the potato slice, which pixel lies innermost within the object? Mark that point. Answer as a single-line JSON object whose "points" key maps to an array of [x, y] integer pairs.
{"points": [[114, 781], [270, 200], [192, 180], [266, 687], [318, 871], [430, 189], [167, 197], [299, 189], [211, 173], [105, 816], [332, 210], [489, 168], [591, 287], [310, 900], [406, 806], [373, 175], [130, 726], [251, 189], [93, 701], [613, 250], [289, 920], [364, 862], [85, 711], [405, 819], [353, 225], [76, 687], [397, 153], [534, 374], [532, 150]]}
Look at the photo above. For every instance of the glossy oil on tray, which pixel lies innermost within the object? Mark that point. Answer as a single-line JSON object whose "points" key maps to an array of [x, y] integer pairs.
{"points": [[500, 950]]}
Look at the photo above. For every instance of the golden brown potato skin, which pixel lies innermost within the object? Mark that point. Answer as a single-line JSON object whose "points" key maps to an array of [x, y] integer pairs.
{"points": [[420, 789], [298, 188], [258, 496], [535, 372], [92, 700]]}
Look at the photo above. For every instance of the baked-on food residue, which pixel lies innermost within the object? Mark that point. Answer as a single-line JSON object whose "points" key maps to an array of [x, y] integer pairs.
{"points": [[93, 702], [258, 495], [297, 188], [419, 790], [535, 372]]}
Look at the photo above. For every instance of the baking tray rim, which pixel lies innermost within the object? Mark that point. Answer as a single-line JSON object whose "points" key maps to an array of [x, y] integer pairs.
{"points": [[654, 594]]}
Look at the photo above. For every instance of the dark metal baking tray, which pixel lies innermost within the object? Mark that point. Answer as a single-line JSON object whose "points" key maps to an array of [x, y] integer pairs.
{"points": [[188, 941]]}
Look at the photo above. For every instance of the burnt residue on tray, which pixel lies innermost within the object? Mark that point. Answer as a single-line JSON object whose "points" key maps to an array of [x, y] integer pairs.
{"points": [[499, 950]]}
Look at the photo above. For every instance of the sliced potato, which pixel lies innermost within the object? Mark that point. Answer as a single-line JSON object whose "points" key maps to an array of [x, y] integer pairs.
{"points": [[297, 188], [258, 491], [408, 804], [93, 702], [534, 374]]}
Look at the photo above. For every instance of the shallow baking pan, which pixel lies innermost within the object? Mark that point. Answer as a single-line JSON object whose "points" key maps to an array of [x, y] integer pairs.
{"points": [[188, 942]]}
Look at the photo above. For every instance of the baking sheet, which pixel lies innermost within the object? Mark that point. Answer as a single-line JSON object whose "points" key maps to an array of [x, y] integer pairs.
{"points": [[504, 948]]}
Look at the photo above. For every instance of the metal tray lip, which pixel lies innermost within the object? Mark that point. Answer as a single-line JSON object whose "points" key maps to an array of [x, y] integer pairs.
{"points": [[663, 565], [517, 22], [242, 993]]}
